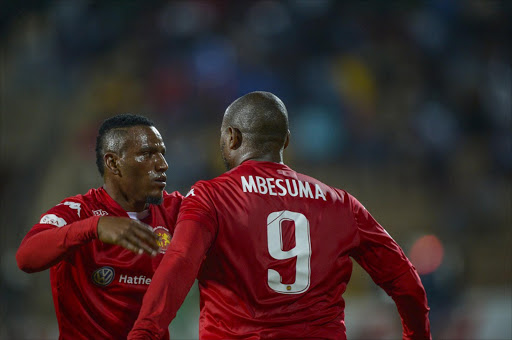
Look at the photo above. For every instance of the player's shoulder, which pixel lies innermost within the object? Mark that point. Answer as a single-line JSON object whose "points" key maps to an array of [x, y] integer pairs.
{"points": [[209, 190], [69, 209], [172, 200], [172, 196], [80, 199], [202, 186], [337, 193]]}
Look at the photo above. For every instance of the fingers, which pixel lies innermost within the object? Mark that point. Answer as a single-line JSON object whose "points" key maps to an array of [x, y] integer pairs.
{"points": [[142, 242], [130, 246], [141, 238], [145, 234], [130, 234]]}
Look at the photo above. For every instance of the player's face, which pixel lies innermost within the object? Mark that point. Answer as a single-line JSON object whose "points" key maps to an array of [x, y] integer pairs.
{"points": [[142, 165]]}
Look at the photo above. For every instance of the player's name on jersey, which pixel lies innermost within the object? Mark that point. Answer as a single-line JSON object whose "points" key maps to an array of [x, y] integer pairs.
{"points": [[281, 187], [135, 280]]}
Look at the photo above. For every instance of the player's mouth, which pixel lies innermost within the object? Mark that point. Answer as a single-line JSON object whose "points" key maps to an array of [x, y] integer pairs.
{"points": [[161, 181]]}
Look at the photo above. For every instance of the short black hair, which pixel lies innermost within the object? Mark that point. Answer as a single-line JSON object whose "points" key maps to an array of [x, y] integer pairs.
{"points": [[119, 121]]}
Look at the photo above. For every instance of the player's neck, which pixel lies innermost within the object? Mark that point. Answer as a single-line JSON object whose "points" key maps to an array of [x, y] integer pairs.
{"points": [[268, 157], [122, 199]]}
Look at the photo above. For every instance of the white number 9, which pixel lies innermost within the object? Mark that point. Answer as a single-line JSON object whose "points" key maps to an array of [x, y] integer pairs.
{"points": [[302, 251]]}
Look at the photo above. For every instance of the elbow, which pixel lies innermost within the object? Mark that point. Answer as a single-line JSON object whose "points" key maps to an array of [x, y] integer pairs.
{"points": [[24, 263]]}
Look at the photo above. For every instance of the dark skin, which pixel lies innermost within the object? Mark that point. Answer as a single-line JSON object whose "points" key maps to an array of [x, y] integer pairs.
{"points": [[134, 177], [241, 123], [236, 151]]}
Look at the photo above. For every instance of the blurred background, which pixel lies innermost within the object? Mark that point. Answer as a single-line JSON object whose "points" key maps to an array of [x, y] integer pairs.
{"points": [[405, 104]]}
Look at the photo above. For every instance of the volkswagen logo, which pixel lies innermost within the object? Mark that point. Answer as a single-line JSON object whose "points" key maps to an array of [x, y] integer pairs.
{"points": [[103, 276]]}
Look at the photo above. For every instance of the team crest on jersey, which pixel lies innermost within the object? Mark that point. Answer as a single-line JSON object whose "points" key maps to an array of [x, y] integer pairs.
{"points": [[53, 219], [164, 238], [103, 276]]}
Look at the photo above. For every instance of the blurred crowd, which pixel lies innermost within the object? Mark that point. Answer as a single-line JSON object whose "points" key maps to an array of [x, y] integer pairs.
{"points": [[406, 105]]}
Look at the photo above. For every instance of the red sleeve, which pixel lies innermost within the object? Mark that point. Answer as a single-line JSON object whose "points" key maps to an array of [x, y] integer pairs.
{"points": [[58, 232], [411, 302], [388, 266], [171, 205], [172, 280], [197, 206]]}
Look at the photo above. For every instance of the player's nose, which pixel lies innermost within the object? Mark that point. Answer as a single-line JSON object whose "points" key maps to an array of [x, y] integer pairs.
{"points": [[161, 164]]}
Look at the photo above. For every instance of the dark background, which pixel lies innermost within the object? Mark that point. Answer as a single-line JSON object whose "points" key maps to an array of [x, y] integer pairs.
{"points": [[405, 104]]}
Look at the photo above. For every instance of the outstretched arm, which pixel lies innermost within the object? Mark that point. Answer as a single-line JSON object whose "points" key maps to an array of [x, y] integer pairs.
{"points": [[172, 280], [388, 266], [47, 244]]}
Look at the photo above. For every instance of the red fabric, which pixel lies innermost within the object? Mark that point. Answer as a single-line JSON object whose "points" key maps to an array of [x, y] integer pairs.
{"points": [[388, 266], [172, 281], [97, 288], [280, 259], [35, 254], [409, 296]]}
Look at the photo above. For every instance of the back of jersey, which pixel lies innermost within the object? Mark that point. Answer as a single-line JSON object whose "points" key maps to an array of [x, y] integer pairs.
{"points": [[279, 263]]}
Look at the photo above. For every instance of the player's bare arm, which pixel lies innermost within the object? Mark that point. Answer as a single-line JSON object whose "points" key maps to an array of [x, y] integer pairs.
{"points": [[128, 233]]}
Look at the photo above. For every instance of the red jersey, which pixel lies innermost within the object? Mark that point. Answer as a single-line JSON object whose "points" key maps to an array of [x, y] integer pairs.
{"points": [[279, 258], [97, 288]]}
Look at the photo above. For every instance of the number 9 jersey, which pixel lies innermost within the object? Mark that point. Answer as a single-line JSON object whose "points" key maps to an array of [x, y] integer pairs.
{"points": [[280, 257]]}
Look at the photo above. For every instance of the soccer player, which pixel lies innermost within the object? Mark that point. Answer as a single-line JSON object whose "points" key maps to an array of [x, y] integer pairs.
{"points": [[272, 247], [103, 247]]}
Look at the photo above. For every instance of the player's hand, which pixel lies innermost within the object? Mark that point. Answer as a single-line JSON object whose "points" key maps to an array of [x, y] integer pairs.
{"points": [[128, 233]]}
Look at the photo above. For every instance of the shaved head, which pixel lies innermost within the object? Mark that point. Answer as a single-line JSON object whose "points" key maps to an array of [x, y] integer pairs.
{"points": [[261, 117], [114, 140], [261, 121]]}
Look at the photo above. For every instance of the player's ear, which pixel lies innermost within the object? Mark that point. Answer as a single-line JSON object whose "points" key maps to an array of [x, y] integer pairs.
{"points": [[235, 138], [111, 161], [287, 139]]}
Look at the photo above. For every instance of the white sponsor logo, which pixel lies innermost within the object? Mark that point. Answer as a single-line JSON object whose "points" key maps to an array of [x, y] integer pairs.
{"points": [[74, 206], [135, 280], [190, 193], [53, 219], [99, 212]]}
